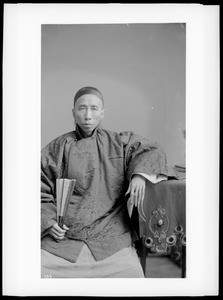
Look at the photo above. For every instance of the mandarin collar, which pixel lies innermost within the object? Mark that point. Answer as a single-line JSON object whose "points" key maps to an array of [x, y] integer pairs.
{"points": [[79, 135]]}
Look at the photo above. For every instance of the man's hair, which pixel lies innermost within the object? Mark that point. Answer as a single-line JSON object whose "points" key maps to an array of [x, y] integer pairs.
{"points": [[88, 90]]}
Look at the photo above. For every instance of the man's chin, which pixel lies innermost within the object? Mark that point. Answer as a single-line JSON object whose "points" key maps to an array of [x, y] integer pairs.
{"points": [[88, 130]]}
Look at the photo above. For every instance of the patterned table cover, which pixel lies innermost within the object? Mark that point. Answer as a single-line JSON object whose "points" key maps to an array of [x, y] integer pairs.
{"points": [[162, 219]]}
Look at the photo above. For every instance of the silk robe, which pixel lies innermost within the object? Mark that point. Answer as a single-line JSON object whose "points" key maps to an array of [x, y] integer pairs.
{"points": [[102, 165]]}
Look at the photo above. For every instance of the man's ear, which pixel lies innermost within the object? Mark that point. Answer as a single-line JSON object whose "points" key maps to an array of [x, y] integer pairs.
{"points": [[102, 113]]}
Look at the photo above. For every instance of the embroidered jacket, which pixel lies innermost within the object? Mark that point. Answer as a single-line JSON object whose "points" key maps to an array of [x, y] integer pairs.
{"points": [[102, 166]]}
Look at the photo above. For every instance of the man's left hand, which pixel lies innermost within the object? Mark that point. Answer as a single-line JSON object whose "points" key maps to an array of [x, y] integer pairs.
{"points": [[137, 189]]}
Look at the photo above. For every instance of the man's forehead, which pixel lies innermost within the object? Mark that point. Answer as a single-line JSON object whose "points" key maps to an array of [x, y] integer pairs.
{"points": [[89, 99]]}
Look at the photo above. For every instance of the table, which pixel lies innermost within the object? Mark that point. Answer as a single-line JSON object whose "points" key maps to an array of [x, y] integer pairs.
{"points": [[162, 220]]}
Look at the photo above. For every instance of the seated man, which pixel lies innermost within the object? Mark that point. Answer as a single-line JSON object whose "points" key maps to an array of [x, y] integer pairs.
{"points": [[97, 239]]}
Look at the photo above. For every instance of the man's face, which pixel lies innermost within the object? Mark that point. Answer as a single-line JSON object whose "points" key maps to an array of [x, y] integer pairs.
{"points": [[88, 112]]}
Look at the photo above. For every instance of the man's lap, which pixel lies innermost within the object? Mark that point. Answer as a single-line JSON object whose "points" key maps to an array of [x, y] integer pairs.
{"points": [[122, 264]]}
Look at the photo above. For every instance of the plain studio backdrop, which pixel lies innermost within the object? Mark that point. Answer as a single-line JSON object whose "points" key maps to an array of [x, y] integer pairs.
{"points": [[139, 68]]}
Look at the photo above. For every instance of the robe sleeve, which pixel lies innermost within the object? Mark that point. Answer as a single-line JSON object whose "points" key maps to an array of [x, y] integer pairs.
{"points": [[142, 156], [51, 168]]}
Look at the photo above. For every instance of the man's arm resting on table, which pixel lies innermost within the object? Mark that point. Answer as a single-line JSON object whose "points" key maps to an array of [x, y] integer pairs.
{"points": [[137, 188]]}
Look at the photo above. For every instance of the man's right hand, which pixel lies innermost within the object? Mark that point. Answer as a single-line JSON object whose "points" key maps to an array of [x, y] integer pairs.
{"points": [[57, 232]]}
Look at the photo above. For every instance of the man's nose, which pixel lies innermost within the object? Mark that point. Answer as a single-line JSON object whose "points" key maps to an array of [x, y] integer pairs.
{"points": [[88, 115]]}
